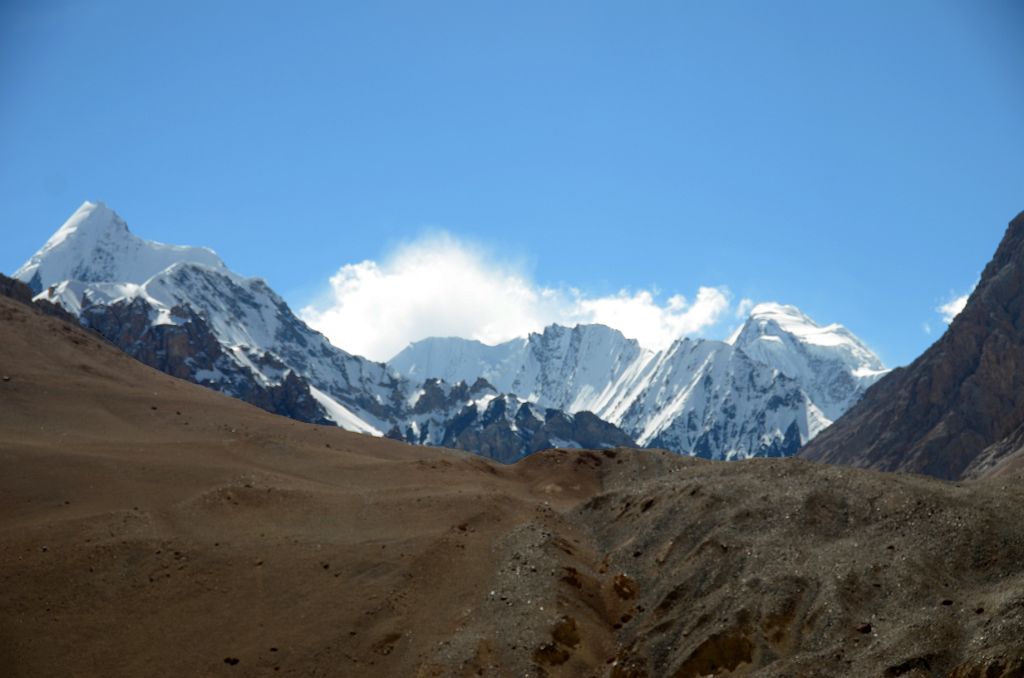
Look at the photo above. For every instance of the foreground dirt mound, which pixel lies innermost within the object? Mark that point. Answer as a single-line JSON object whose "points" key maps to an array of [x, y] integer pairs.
{"points": [[149, 527], [793, 569]]}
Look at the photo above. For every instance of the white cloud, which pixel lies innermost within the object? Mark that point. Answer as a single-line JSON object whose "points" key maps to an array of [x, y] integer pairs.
{"points": [[440, 286], [744, 308], [640, 316], [952, 308]]}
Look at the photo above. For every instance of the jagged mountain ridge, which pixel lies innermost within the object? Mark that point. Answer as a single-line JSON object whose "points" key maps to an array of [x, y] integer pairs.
{"points": [[500, 426], [958, 410], [181, 310], [778, 381]]}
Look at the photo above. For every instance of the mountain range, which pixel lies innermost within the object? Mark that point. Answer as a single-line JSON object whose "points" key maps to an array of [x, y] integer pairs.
{"points": [[777, 382]]}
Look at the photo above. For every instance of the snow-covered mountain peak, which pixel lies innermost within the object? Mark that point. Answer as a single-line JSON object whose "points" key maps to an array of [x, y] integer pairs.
{"points": [[95, 246], [833, 366], [782, 313], [772, 318], [771, 326], [92, 220]]}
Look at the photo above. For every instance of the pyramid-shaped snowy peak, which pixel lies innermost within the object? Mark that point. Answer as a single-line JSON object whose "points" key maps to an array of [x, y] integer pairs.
{"points": [[95, 245]]}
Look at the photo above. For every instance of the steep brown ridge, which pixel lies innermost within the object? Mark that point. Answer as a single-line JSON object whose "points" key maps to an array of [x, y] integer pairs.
{"points": [[963, 395]]}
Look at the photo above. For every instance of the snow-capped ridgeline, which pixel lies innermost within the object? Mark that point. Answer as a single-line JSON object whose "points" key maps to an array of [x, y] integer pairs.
{"points": [[579, 368], [773, 385], [778, 381]]}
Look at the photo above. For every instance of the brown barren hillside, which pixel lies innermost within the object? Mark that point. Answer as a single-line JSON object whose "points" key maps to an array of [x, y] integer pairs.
{"points": [[149, 527]]}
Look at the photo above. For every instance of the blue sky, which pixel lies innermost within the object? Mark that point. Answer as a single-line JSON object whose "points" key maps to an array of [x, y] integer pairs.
{"points": [[857, 159]]}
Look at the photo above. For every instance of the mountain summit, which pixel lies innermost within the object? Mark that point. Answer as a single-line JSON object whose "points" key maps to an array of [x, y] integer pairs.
{"points": [[95, 246], [830, 362], [960, 406]]}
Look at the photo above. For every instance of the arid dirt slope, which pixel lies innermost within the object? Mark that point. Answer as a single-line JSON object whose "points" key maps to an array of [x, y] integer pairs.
{"points": [[149, 527]]}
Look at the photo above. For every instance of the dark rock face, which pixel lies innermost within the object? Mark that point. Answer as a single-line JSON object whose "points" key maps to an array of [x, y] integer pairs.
{"points": [[962, 396], [508, 430], [584, 428], [476, 418], [189, 350], [435, 397], [20, 292]]}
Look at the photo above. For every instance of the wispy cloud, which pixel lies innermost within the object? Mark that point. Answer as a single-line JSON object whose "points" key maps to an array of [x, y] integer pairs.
{"points": [[744, 307], [953, 307], [442, 286]]}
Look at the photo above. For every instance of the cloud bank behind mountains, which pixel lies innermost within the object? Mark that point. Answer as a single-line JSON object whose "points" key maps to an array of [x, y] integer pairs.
{"points": [[441, 286]]}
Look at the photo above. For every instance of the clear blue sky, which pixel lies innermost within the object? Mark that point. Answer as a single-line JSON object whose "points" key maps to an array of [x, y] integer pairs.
{"points": [[857, 159]]}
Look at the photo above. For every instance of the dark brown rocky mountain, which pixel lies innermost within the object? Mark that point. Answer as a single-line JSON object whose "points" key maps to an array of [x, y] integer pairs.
{"points": [[958, 410]]}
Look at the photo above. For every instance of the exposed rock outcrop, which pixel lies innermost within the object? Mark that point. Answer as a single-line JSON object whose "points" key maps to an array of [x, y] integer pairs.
{"points": [[186, 348]]}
